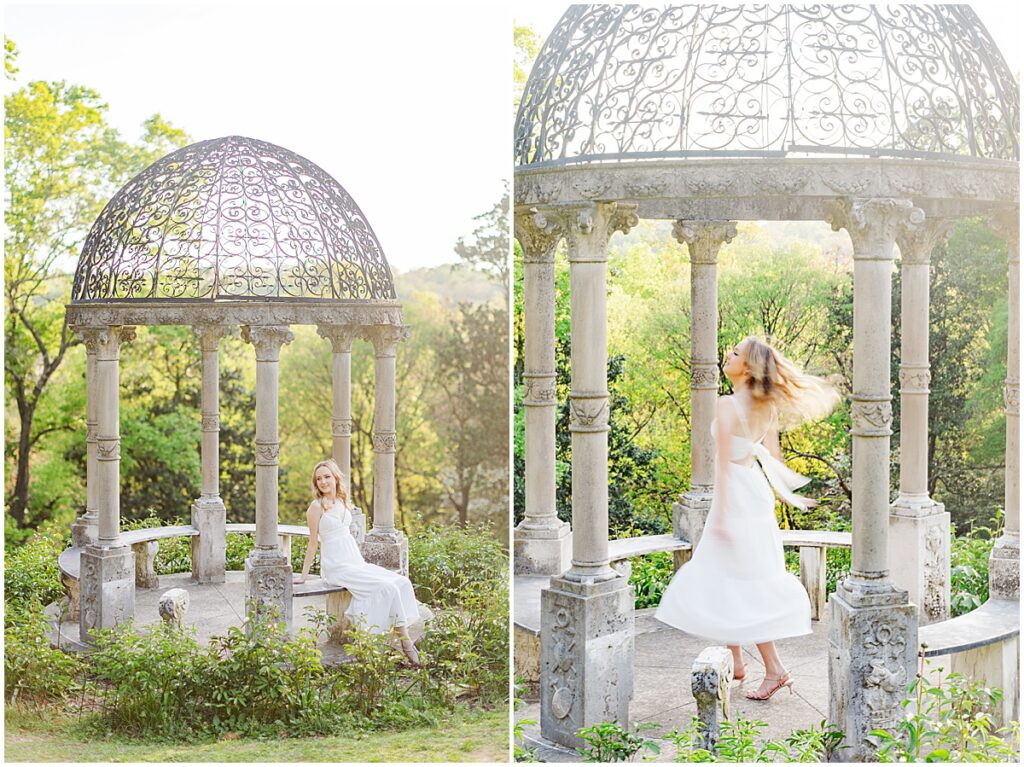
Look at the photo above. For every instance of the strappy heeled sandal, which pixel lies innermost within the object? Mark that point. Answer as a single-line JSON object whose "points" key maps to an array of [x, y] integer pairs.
{"points": [[786, 680]]}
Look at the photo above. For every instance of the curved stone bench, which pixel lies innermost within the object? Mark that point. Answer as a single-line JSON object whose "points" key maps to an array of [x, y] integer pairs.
{"points": [[983, 645]]}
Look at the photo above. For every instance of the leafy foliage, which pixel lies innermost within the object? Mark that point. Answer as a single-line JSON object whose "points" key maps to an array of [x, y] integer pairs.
{"points": [[611, 742], [968, 566]]}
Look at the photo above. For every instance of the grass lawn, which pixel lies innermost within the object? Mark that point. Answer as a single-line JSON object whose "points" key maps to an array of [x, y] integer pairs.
{"points": [[45, 735]]}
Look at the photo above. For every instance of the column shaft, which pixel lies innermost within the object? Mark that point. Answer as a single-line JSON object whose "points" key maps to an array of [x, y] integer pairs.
{"points": [[85, 529], [208, 514], [341, 400]]}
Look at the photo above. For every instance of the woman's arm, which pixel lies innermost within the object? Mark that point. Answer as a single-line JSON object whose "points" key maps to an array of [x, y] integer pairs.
{"points": [[727, 423], [313, 522]]}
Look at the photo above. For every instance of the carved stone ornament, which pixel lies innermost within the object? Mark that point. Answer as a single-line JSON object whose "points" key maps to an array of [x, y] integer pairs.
{"points": [[91, 431], [914, 380], [593, 224], [704, 376], [961, 186], [385, 338], [539, 389], [847, 184], [909, 184], [646, 188], [873, 223], [591, 186], [563, 668], [711, 185], [341, 427], [935, 572], [209, 335], [267, 340], [917, 243], [781, 182], [105, 342], [588, 412], [211, 422], [871, 418], [340, 336], [538, 232], [1011, 398], [703, 239], [108, 449], [267, 453], [384, 441], [885, 678], [270, 586]]}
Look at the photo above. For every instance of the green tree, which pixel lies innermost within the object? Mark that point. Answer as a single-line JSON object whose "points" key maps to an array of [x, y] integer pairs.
{"points": [[527, 44], [488, 250]]}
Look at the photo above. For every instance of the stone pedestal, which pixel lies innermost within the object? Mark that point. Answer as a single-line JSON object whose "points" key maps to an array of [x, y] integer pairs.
{"points": [[872, 659], [268, 587], [998, 665], [1004, 568], [689, 517], [209, 547], [586, 673], [358, 524], [542, 551], [388, 549], [919, 556], [108, 588], [84, 530]]}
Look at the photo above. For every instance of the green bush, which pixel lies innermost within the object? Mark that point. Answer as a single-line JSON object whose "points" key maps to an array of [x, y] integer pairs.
{"points": [[31, 572], [949, 722], [611, 742], [650, 576], [968, 566], [738, 742], [33, 670], [445, 562]]}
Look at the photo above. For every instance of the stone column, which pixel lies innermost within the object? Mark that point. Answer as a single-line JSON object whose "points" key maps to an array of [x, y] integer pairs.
{"points": [[586, 674], [341, 338], [85, 529], [542, 541], [918, 526], [873, 625], [107, 566], [1004, 562], [703, 240], [268, 572], [208, 513], [385, 545]]}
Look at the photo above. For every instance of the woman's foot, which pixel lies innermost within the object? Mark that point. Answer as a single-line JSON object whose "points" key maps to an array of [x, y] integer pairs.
{"points": [[411, 652], [740, 674], [771, 685]]}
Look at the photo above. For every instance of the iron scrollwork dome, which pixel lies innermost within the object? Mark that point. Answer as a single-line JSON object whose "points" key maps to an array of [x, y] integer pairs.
{"points": [[232, 218], [616, 82]]}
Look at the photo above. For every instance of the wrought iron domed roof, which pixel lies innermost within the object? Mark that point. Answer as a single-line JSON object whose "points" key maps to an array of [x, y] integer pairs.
{"points": [[631, 82], [232, 218]]}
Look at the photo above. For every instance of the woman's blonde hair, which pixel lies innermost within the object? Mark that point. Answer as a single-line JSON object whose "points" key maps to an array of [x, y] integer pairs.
{"points": [[798, 396], [338, 483]]}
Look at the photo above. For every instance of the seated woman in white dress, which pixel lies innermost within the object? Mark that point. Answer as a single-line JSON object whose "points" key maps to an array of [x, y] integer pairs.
{"points": [[735, 589], [381, 599]]}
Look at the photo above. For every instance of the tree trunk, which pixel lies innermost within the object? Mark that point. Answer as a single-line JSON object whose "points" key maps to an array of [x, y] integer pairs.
{"points": [[19, 499]]}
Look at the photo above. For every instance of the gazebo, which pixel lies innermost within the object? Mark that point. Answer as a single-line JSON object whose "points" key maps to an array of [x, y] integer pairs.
{"points": [[886, 122], [222, 233]]}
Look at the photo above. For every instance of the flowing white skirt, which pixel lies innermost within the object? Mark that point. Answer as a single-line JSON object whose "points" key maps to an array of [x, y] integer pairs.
{"points": [[737, 590], [380, 598]]}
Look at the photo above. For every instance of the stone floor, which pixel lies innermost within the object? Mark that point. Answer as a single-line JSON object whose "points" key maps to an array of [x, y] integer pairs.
{"points": [[214, 608], [662, 686]]}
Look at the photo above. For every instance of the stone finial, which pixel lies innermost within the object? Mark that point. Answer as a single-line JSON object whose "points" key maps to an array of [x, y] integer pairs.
{"points": [[340, 336], [385, 338], [209, 335], [703, 239], [873, 223], [917, 243], [710, 677], [267, 339], [172, 607]]}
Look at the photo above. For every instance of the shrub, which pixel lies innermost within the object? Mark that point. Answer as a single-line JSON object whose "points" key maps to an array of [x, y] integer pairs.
{"points": [[737, 743], [611, 742], [444, 562], [34, 670], [650, 576], [968, 571], [31, 572]]}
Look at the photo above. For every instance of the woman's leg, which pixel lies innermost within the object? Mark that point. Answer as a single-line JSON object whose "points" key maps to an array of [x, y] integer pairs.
{"points": [[738, 670], [408, 647], [773, 669]]}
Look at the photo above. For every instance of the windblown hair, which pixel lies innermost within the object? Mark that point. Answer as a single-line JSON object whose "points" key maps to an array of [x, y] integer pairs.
{"points": [[338, 483], [799, 397]]}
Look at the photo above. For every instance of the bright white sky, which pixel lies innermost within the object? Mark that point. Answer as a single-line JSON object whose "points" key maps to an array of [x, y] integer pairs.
{"points": [[409, 107]]}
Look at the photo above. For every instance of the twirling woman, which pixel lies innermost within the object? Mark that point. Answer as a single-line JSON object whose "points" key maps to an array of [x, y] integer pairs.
{"points": [[736, 590]]}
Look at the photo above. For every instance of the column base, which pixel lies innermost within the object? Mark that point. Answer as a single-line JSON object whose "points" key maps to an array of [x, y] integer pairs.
{"points": [[690, 515], [209, 548], [107, 588], [872, 660], [1004, 568], [542, 550], [84, 531], [919, 532], [388, 549], [268, 588], [586, 656]]}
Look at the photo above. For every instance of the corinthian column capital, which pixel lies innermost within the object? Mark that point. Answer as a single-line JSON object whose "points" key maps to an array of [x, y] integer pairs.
{"points": [[703, 239], [340, 336], [267, 340], [209, 335], [105, 340], [538, 230], [385, 338], [873, 223], [917, 242], [590, 226]]}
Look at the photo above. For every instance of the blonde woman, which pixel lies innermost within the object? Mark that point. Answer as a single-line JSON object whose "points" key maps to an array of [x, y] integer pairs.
{"points": [[382, 599], [736, 590]]}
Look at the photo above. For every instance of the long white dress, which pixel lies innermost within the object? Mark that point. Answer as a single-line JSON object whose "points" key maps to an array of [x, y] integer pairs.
{"points": [[380, 598], [738, 591]]}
